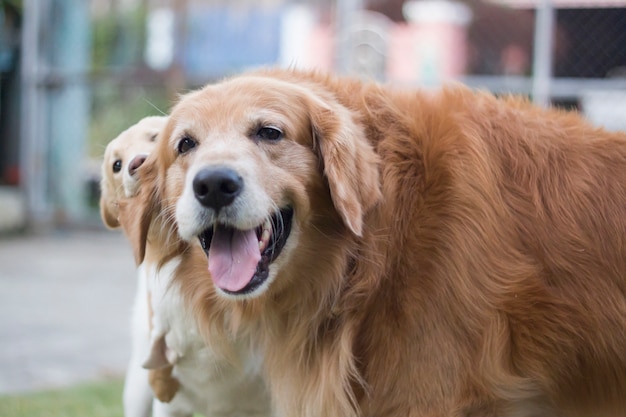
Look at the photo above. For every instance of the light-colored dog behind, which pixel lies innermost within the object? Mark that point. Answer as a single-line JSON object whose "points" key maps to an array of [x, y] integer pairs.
{"points": [[171, 371]]}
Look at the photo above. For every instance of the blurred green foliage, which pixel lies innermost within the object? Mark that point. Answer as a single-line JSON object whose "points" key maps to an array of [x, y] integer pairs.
{"points": [[121, 95], [17, 4], [119, 39], [116, 107]]}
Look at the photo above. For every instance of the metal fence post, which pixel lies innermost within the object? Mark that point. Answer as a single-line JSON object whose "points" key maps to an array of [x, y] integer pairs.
{"points": [[344, 20], [33, 150], [55, 110], [69, 108], [542, 54]]}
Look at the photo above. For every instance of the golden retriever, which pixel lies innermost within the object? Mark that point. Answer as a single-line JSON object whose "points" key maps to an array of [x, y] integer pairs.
{"points": [[169, 358], [397, 252], [119, 180], [122, 157]]}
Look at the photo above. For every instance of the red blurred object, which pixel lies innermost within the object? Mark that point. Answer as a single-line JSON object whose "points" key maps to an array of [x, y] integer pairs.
{"points": [[12, 175]]}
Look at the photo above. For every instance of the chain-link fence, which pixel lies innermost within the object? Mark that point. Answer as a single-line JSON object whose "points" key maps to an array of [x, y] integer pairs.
{"points": [[124, 59], [493, 44], [587, 57]]}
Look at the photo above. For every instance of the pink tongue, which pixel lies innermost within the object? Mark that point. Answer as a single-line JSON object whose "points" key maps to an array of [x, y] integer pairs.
{"points": [[233, 257]]}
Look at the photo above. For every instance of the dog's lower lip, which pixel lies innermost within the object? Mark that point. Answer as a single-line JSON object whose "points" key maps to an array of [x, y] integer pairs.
{"points": [[281, 228]]}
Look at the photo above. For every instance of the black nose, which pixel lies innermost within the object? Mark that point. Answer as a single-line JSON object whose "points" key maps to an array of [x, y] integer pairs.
{"points": [[217, 187]]}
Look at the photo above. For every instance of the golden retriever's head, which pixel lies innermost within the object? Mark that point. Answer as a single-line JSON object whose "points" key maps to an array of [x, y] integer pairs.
{"points": [[122, 157], [265, 173]]}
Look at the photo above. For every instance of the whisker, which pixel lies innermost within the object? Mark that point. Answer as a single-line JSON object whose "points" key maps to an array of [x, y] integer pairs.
{"points": [[154, 106], [279, 219]]}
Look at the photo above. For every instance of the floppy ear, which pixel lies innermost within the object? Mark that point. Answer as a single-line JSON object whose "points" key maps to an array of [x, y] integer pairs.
{"points": [[109, 209], [136, 213], [350, 163], [163, 383]]}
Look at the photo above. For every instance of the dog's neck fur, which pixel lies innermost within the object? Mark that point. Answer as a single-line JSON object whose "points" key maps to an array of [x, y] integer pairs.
{"points": [[325, 342], [326, 338], [162, 242]]}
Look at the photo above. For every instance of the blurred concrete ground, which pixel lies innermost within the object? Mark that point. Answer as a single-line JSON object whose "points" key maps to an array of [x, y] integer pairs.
{"points": [[12, 215], [65, 301]]}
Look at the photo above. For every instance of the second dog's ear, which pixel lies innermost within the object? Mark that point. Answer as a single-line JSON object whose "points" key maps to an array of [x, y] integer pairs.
{"points": [[109, 210], [163, 383], [160, 355], [136, 213]]}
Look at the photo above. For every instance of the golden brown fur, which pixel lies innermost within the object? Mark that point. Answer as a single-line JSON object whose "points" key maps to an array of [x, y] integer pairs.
{"points": [[165, 386], [222, 379], [456, 254]]}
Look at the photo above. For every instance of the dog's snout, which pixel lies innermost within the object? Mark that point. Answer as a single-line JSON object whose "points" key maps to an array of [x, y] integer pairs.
{"points": [[135, 163], [217, 187]]}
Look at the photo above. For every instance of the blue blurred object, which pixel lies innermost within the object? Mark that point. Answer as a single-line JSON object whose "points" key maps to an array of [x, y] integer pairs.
{"points": [[223, 40], [8, 42]]}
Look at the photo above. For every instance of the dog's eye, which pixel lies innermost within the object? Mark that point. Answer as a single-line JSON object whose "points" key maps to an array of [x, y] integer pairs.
{"points": [[117, 166], [269, 133], [185, 145]]}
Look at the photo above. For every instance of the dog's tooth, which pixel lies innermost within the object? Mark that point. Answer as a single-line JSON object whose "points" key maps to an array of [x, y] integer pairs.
{"points": [[265, 237]]}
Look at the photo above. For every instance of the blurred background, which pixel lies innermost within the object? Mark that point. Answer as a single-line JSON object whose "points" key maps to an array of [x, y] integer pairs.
{"points": [[75, 73]]}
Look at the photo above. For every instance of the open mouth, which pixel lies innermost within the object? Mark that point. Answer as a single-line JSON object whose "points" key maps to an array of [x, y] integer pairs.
{"points": [[239, 260]]}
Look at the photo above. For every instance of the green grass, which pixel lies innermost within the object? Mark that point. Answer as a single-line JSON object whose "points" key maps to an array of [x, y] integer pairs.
{"points": [[102, 399]]}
